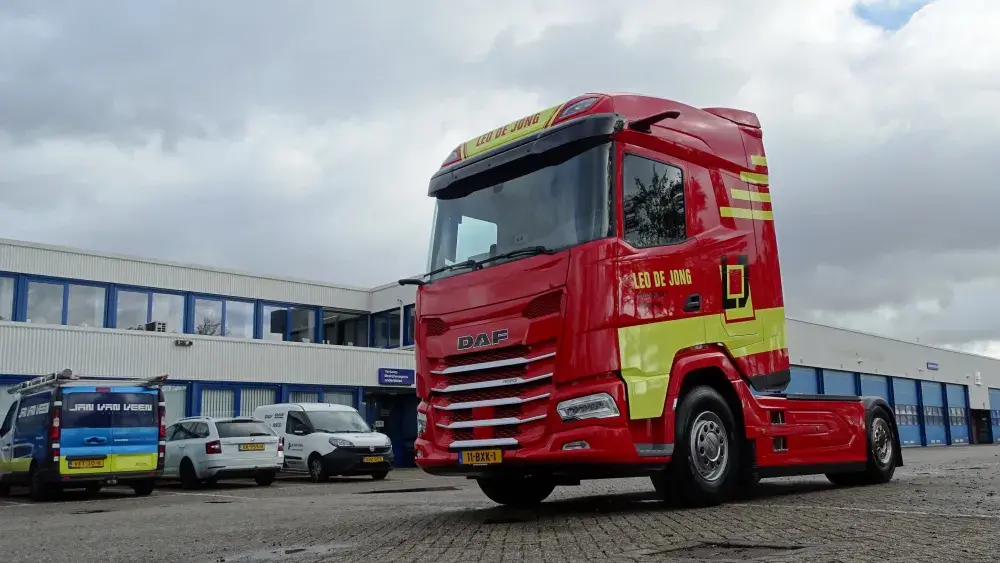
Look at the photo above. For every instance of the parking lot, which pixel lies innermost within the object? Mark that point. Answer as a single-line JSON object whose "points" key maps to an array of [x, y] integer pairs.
{"points": [[943, 506]]}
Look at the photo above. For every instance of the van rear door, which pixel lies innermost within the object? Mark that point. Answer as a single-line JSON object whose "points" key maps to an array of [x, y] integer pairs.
{"points": [[109, 430]]}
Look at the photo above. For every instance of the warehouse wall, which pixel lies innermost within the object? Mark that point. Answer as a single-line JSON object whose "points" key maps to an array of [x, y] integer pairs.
{"points": [[27, 349]]}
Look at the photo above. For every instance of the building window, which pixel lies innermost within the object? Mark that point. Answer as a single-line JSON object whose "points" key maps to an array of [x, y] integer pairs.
{"points": [[290, 324], [380, 330], [6, 299], [395, 324], [223, 317], [139, 310], [411, 315], [66, 304], [653, 202], [344, 328]]}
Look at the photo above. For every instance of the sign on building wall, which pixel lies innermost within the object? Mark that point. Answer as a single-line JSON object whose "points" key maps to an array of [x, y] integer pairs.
{"points": [[396, 376], [932, 366]]}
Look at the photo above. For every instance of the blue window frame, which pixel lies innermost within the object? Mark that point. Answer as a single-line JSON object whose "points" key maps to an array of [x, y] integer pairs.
{"points": [[409, 325], [63, 302], [134, 308], [220, 316], [385, 327], [8, 284], [288, 323]]}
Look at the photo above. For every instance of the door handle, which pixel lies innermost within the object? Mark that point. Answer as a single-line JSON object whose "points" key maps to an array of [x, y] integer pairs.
{"points": [[693, 303], [95, 440]]}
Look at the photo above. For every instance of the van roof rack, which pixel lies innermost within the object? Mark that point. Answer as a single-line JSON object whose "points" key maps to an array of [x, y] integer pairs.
{"points": [[58, 378]]}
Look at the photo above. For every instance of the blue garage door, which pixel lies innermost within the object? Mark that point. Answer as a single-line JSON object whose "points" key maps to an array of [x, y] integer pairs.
{"points": [[875, 386], [934, 416], [904, 393], [838, 383], [958, 414], [995, 413], [804, 380]]}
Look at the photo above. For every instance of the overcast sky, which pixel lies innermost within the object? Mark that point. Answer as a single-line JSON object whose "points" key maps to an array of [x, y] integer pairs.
{"points": [[297, 138]]}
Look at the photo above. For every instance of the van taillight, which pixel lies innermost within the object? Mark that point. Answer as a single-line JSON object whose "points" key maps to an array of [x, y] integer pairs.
{"points": [[213, 447], [281, 444], [161, 450], [55, 429]]}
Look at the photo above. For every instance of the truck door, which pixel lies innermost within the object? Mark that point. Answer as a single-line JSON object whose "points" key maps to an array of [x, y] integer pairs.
{"points": [[667, 279]]}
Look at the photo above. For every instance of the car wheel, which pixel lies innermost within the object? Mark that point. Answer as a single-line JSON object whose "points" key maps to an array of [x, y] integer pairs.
{"points": [[144, 488], [379, 475], [38, 490], [317, 472], [264, 478], [189, 477]]}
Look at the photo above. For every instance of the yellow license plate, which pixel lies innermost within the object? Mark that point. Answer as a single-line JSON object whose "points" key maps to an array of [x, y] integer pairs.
{"points": [[480, 457], [251, 447], [86, 463], [373, 459]]}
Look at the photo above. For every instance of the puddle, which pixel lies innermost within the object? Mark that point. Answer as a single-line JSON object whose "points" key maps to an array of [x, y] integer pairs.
{"points": [[283, 553], [724, 551], [413, 490]]}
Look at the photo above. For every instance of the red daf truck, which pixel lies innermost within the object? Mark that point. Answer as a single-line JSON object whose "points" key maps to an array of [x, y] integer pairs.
{"points": [[603, 299]]}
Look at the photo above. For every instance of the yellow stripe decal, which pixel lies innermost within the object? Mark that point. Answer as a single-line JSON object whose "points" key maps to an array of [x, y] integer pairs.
{"points": [[742, 213], [747, 195], [647, 351], [754, 178], [758, 160]]}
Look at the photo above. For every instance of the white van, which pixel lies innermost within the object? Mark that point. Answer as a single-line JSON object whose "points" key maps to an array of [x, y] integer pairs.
{"points": [[324, 439]]}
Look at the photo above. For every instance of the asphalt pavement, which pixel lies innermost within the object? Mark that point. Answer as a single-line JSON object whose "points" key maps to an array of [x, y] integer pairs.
{"points": [[943, 506]]}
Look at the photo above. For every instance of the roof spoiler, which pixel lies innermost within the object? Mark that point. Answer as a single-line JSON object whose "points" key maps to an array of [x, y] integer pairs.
{"points": [[737, 116]]}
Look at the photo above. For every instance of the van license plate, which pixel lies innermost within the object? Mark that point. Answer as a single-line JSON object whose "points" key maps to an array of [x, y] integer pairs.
{"points": [[86, 463], [480, 457], [251, 447], [373, 459]]}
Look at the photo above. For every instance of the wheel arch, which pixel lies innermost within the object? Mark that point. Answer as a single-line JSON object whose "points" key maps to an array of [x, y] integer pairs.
{"points": [[706, 367], [878, 404]]}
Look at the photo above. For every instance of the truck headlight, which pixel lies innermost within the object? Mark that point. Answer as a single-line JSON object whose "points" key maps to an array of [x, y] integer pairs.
{"points": [[340, 443], [421, 423], [598, 405]]}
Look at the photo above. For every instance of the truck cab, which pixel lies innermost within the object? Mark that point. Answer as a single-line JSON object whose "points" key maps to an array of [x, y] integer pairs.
{"points": [[603, 299]]}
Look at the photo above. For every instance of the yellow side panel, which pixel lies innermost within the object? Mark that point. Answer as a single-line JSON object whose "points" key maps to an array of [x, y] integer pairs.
{"points": [[135, 462], [20, 465], [647, 352]]}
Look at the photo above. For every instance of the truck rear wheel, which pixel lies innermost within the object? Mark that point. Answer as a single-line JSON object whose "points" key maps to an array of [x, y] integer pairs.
{"points": [[706, 455], [881, 463], [517, 492]]}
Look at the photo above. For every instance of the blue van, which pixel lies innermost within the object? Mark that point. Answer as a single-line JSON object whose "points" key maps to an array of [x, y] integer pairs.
{"points": [[65, 432]]}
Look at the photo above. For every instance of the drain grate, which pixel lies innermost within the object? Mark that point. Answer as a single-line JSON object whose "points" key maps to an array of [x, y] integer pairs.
{"points": [[413, 490], [285, 553], [218, 501], [723, 551], [91, 511]]}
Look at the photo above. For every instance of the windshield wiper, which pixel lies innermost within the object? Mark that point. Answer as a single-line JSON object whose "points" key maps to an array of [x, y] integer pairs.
{"points": [[526, 251], [470, 263]]}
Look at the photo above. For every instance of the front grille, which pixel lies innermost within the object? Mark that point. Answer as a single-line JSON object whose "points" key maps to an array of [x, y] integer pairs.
{"points": [[487, 391], [543, 305], [366, 449]]}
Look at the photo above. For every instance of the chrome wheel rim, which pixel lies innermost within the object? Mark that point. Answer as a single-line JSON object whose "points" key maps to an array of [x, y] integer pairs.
{"points": [[709, 446], [881, 441]]}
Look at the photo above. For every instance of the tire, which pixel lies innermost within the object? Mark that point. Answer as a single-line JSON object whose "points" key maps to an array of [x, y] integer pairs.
{"points": [[189, 477], [517, 492], [143, 488], [93, 488], [317, 473], [380, 475], [4, 490], [264, 478], [707, 452], [38, 490], [881, 463]]}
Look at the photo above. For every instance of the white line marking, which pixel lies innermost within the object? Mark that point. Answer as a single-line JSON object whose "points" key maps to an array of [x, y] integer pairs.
{"points": [[878, 511]]}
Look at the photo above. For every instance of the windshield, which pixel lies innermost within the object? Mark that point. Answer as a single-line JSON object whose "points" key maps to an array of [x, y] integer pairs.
{"points": [[337, 421], [556, 203]]}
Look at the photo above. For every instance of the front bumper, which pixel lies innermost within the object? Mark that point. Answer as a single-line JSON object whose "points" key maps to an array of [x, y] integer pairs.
{"points": [[344, 462], [610, 452]]}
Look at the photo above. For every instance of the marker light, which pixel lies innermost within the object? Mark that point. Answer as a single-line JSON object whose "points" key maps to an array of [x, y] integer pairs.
{"points": [[599, 405], [575, 108]]}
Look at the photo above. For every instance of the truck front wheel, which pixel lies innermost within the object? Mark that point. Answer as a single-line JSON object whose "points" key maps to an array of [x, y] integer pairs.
{"points": [[706, 455], [517, 492]]}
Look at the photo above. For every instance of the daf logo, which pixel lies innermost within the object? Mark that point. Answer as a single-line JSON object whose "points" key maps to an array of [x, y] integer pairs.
{"points": [[482, 339], [371, 448]]}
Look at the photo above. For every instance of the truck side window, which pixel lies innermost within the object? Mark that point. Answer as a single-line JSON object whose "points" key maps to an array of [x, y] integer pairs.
{"points": [[652, 202], [8, 421]]}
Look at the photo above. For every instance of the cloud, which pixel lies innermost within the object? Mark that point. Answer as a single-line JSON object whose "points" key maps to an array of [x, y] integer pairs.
{"points": [[298, 139]]}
